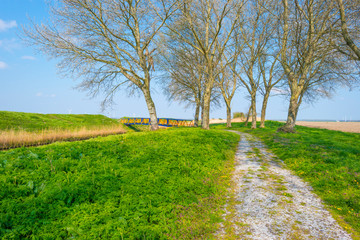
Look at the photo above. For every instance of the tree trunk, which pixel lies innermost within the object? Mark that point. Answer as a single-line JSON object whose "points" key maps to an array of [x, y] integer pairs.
{"points": [[253, 117], [292, 113], [197, 112], [228, 115], [202, 113], [248, 116], [152, 111], [206, 109], [263, 108]]}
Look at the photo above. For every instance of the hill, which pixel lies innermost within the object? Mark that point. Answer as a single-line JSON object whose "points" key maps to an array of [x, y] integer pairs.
{"points": [[33, 122]]}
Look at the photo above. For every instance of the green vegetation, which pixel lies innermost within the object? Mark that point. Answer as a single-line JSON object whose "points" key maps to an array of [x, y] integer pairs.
{"points": [[328, 160], [168, 184], [37, 122], [238, 115]]}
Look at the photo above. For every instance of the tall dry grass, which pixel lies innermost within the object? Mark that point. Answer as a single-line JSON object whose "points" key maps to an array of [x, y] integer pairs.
{"points": [[20, 138]]}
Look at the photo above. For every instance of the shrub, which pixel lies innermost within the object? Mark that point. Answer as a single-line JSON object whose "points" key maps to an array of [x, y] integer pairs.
{"points": [[238, 115]]}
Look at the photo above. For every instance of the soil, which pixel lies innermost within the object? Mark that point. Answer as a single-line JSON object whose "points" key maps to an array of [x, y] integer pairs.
{"points": [[337, 126]]}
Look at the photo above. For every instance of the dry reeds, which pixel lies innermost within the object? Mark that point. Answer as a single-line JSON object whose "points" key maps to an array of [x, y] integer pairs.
{"points": [[20, 138]]}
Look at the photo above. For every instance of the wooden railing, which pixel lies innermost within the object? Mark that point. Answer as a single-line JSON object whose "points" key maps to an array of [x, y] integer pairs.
{"points": [[167, 122]]}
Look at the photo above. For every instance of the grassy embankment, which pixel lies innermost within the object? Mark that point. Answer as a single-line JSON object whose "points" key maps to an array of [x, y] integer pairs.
{"points": [[25, 129], [168, 184], [328, 160]]}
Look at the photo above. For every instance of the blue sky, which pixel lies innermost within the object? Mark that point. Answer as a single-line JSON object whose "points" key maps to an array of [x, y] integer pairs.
{"points": [[30, 82]]}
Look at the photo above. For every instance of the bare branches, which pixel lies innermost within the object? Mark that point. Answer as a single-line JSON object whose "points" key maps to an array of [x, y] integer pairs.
{"points": [[227, 82], [105, 43], [349, 40], [207, 45], [311, 64], [252, 43], [207, 27]]}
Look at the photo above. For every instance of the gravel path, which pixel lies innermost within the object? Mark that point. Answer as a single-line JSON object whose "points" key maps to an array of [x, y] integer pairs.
{"points": [[272, 203]]}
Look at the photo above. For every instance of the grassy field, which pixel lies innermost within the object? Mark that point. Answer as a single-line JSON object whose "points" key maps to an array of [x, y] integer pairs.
{"points": [[328, 160], [168, 184], [33, 122], [28, 129]]}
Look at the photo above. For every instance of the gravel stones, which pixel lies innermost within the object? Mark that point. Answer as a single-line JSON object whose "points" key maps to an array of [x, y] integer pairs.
{"points": [[272, 203]]}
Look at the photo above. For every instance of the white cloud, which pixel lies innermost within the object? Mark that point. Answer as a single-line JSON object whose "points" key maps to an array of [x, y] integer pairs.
{"points": [[40, 94], [280, 91], [28, 58], [9, 44], [7, 25], [3, 65]]}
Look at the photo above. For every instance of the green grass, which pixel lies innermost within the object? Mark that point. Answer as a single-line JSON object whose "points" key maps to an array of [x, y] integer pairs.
{"points": [[168, 184], [328, 160], [36, 122]]}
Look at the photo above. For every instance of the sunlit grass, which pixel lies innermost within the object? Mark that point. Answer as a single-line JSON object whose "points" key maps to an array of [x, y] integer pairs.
{"points": [[168, 184], [34, 122]]}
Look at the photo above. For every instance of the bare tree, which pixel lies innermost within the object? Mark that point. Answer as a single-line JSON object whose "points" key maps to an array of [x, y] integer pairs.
{"points": [[271, 75], [312, 66], [252, 38], [106, 43], [262, 25], [183, 81], [227, 83], [248, 115], [184, 78], [208, 23]]}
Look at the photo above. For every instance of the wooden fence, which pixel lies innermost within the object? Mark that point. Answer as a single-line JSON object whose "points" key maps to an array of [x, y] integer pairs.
{"points": [[167, 122]]}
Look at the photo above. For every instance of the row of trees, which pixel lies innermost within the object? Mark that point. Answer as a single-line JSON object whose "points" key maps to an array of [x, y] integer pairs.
{"points": [[205, 50]]}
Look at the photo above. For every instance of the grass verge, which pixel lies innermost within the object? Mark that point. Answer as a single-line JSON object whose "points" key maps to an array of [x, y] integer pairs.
{"points": [[168, 184], [328, 160]]}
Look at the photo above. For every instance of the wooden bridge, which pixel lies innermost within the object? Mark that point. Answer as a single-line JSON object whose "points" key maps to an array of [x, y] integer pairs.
{"points": [[166, 122]]}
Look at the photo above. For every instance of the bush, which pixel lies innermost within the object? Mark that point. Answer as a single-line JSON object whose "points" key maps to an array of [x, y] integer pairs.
{"points": [[238, 115]]}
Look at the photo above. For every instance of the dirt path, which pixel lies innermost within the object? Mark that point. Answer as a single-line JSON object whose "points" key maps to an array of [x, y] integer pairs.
{"points": [[272, 203]]}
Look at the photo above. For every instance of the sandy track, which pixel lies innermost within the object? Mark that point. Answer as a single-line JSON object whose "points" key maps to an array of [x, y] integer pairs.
{"points": [[272, 203], [338, 126]]}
